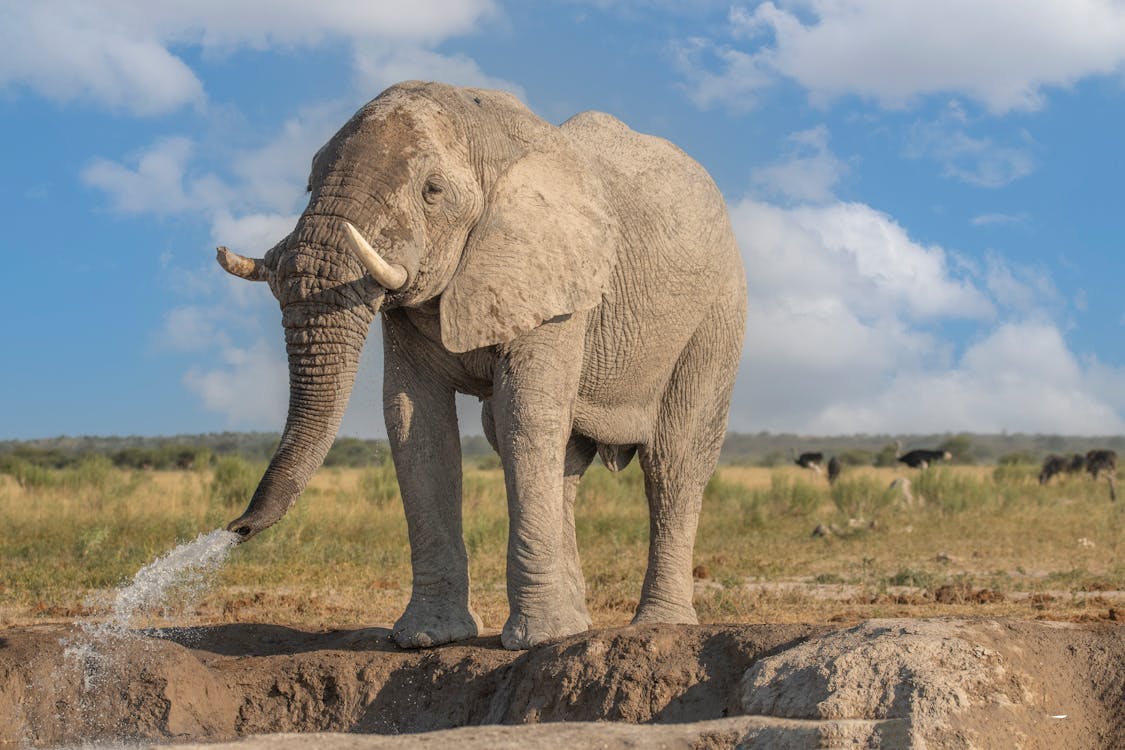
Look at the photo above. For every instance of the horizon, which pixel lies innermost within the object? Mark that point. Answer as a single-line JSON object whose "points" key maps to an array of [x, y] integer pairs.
{"points": [[925, 201]]}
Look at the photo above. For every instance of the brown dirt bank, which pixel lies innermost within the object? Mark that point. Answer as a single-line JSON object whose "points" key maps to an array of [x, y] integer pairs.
{"points": [[884, 683]]}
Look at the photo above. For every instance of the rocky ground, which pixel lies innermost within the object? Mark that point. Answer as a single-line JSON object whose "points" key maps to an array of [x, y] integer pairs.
{"points": [[944, 683]]}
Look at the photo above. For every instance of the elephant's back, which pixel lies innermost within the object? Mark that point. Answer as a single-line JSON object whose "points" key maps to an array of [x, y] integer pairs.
{"points": [[655, 177], [639, 157]]}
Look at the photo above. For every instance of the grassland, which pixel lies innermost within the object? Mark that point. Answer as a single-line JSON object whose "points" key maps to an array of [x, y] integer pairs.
{"points": [[982, 540]]}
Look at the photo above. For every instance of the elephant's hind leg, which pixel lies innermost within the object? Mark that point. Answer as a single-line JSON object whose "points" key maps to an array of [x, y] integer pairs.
{"points": [[679, 461]]}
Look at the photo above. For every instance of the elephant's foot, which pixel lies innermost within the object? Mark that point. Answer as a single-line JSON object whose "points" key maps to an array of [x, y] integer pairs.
{"points": [[524, 630], [664, 612], [426, 624]]}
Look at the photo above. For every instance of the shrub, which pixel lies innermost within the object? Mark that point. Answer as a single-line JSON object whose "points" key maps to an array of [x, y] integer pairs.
{"points": [[961, 447], [489, 462], [785, 497], [379, 485], [95, 472], [887, 455], [911, 577], [1018, 457], [1015, 472], [27, 474], [233, 482], [949, 492], [856, 457], [861, 497]]}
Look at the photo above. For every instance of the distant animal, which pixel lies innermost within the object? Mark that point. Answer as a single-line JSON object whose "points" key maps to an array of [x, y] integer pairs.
{"points": [[1100, 462], [809, 460], [834, 469], [920, 458], [1054, 464]]}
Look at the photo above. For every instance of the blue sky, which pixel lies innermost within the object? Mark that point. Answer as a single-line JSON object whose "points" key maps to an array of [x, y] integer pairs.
{"points": [[927, 195]]}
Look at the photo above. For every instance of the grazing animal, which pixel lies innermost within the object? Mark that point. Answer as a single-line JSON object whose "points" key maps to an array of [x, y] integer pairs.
{"points": [[809, 460], [834, 469], [920, 458], [1054, 464], [1100, 462]]}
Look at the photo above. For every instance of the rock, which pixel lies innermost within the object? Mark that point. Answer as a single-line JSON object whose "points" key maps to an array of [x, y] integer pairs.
{"points": [[924, 683]]}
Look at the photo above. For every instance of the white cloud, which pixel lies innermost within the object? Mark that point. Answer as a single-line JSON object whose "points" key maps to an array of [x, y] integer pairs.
{"points": [[250, 387], [974, 160], [1000, 219], [69, 50], [1024, 290], [156, 182], [380, 65], [738, 83], [261, 188], [1000, 53], [1021, 378], [119, 53], [272, 176], [191, 328], [859, 254], [808, 173], [846, 334]]}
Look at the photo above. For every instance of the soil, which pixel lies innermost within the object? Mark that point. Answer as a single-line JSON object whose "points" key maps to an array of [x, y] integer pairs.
{"points": [[940, 682]]}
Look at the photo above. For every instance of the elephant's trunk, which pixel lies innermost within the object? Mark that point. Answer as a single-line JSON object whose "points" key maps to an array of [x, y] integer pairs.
{"points": [[324, 349]]}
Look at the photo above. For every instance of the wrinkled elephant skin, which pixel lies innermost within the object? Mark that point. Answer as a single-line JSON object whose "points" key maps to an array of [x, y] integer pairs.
{"points": [[582, 280]]}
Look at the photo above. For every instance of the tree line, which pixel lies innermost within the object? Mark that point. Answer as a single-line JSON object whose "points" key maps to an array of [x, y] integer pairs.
{"points": [[189, 452]]}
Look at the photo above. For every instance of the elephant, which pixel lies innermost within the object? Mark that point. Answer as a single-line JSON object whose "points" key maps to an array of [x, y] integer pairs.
{"points": [[582, 280]]}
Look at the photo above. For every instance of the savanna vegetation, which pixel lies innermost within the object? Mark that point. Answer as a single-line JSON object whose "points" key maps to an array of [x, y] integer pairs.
{"points": [[774, 543]]}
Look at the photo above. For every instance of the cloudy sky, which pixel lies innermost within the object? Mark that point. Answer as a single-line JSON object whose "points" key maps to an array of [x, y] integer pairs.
{"points": [[927, 195]]}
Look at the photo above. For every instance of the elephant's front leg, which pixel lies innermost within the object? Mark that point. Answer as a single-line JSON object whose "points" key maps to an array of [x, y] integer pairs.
{"points": [[535, 387], [421, 420]]}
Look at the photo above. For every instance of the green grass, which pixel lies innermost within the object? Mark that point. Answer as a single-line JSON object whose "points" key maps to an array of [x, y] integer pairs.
{"points": [[341, 556]]}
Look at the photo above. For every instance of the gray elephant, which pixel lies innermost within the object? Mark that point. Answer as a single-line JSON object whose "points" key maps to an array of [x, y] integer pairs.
{"points": [[582, 280]]}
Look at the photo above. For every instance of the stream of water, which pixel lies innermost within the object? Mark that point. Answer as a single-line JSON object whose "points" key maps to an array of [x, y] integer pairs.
{"points": [[185, 572], [172, 581]]}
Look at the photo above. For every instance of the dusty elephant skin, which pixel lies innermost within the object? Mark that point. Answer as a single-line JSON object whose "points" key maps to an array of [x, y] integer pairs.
{"points": [[942, 683], [582, 280]]}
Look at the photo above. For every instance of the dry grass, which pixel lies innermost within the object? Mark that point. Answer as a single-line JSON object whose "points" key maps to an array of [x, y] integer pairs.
{"points": [[974, 540]]}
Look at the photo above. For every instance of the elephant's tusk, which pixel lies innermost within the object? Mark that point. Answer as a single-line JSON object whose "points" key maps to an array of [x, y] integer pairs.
{"points": [[253, 269], [390, 276]]}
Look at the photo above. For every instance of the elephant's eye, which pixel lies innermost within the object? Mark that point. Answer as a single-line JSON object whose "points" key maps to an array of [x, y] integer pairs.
{"points": [[432, 190]]}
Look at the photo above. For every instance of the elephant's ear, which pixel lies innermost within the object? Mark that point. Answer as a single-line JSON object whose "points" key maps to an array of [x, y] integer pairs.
{"points": [[544, 247]]}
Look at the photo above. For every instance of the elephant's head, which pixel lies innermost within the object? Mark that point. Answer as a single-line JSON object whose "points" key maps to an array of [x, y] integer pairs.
{"points": [[429, 194]]}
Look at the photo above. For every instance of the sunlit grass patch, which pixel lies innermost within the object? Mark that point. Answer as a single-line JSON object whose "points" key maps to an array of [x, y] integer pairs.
{"points": [[341, 555]]}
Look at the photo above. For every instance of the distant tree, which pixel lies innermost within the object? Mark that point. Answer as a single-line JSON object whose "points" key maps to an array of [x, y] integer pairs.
{"points": [[475, 446], [856, 457], [1018, 457], [887, 455], [774, 458], [961, 446], [356, 452]]}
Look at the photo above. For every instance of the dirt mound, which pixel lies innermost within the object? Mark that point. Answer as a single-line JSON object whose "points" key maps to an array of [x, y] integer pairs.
{"points": [[886, 683]]}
